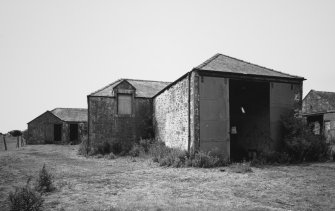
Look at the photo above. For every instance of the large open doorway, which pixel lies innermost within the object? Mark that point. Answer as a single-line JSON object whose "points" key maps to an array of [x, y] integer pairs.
{"points": [[249, 109], [74, 133], [57, 132]]}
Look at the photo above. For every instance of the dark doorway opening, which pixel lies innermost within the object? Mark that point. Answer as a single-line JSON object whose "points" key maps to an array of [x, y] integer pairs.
{"points": [[74, 133], [57, 132], [249, 105], [316, 124]]}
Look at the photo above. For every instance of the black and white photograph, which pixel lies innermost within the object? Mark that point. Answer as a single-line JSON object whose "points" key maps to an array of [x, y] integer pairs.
{"points": [[121, 105]]}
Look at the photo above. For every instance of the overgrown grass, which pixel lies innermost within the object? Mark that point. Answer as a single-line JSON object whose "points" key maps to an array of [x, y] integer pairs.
{"points": [[157, 150], [167, 156]]}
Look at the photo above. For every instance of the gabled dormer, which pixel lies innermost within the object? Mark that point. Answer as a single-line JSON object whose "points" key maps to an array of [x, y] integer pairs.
{"points": [[124, 93]]}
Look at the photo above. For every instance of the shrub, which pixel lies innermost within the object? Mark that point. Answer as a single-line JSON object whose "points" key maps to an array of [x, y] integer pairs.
{"points": [[44, 182], [166, 156], [158, 150], [175, 158], [136, 150], [208, 160], [25, 199], [84, 148], [241, 168], [146, 144], [300, 143]]}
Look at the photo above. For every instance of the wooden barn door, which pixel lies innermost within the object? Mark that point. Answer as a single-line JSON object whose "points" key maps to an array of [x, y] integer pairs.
{"points": [[214, 115], [283, 96]]}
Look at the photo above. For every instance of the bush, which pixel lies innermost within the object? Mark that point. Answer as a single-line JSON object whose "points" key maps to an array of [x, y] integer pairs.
{"points": [[136, 150], [44, 182], [300, 144], [208, 160], [166, 156], [175, 158], [84, 148], [158, 150], [146, 144], [25, 199]]}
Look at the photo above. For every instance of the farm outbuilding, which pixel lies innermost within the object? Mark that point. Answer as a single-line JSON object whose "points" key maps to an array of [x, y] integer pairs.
{"points": [[60, 125], [319, 110], [226, 105], [121, 112]]}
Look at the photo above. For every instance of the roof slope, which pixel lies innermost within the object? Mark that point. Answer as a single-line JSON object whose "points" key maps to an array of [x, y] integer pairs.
{"points": [[71, 114], [222, 63], [318, 102], [143, 88]]}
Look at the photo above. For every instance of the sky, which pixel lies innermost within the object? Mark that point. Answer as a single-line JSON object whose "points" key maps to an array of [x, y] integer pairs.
{"points": [[55, 53]]}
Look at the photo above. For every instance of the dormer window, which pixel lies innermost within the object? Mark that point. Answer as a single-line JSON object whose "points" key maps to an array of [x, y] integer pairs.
{"points": [[124, 104]]}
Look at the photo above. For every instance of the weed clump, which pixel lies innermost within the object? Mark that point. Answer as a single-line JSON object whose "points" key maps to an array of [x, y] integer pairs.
{"points": [[110, 156], [241, 168], [25, 199], [84, 148], [167, 156], [136, 150], [44, 181], [208, 160]]}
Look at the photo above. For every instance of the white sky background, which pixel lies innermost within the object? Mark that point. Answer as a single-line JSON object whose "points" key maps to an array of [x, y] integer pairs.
{"points": [[55, 53]]}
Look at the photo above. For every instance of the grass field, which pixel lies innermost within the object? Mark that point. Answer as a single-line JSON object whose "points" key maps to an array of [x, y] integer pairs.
{"points": [[128, 184]]}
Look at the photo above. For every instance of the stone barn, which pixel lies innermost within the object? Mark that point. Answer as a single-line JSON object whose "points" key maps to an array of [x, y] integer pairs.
{"points": [[59, 126], [121, 112], [319, 109], [226, 105]]}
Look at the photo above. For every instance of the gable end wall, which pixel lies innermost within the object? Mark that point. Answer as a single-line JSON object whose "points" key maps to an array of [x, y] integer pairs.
{"points": [[171, 115]]}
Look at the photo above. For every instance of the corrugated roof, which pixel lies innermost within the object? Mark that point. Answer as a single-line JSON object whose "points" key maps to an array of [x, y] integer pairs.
{"points": [[71, 114], [318, 102], [222, 63], [143, 88]]}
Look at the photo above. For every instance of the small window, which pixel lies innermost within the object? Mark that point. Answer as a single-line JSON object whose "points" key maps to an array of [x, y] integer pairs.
{"points": [[124, 104]]}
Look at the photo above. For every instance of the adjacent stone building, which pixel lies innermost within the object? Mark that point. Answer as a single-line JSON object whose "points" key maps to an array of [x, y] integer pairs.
{"points": [[121, 112], [59, 126], [319, 110], [226, 105]]}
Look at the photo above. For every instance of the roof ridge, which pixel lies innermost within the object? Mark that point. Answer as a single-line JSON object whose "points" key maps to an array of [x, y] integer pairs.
{"points": [[261, 66], [67, 108], [208, 61], [322, 91], [118, 80], [145, 80], [219, 54]]}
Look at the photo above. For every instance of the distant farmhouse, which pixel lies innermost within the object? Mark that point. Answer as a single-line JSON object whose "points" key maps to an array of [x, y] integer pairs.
{"points": [[319, 109], [61, 125], [225, 105]]}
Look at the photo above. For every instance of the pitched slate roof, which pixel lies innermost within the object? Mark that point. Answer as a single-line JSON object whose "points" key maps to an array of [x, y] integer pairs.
{"points": [[71, 114], [222, 63], [318, 102], [143, 88]]}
